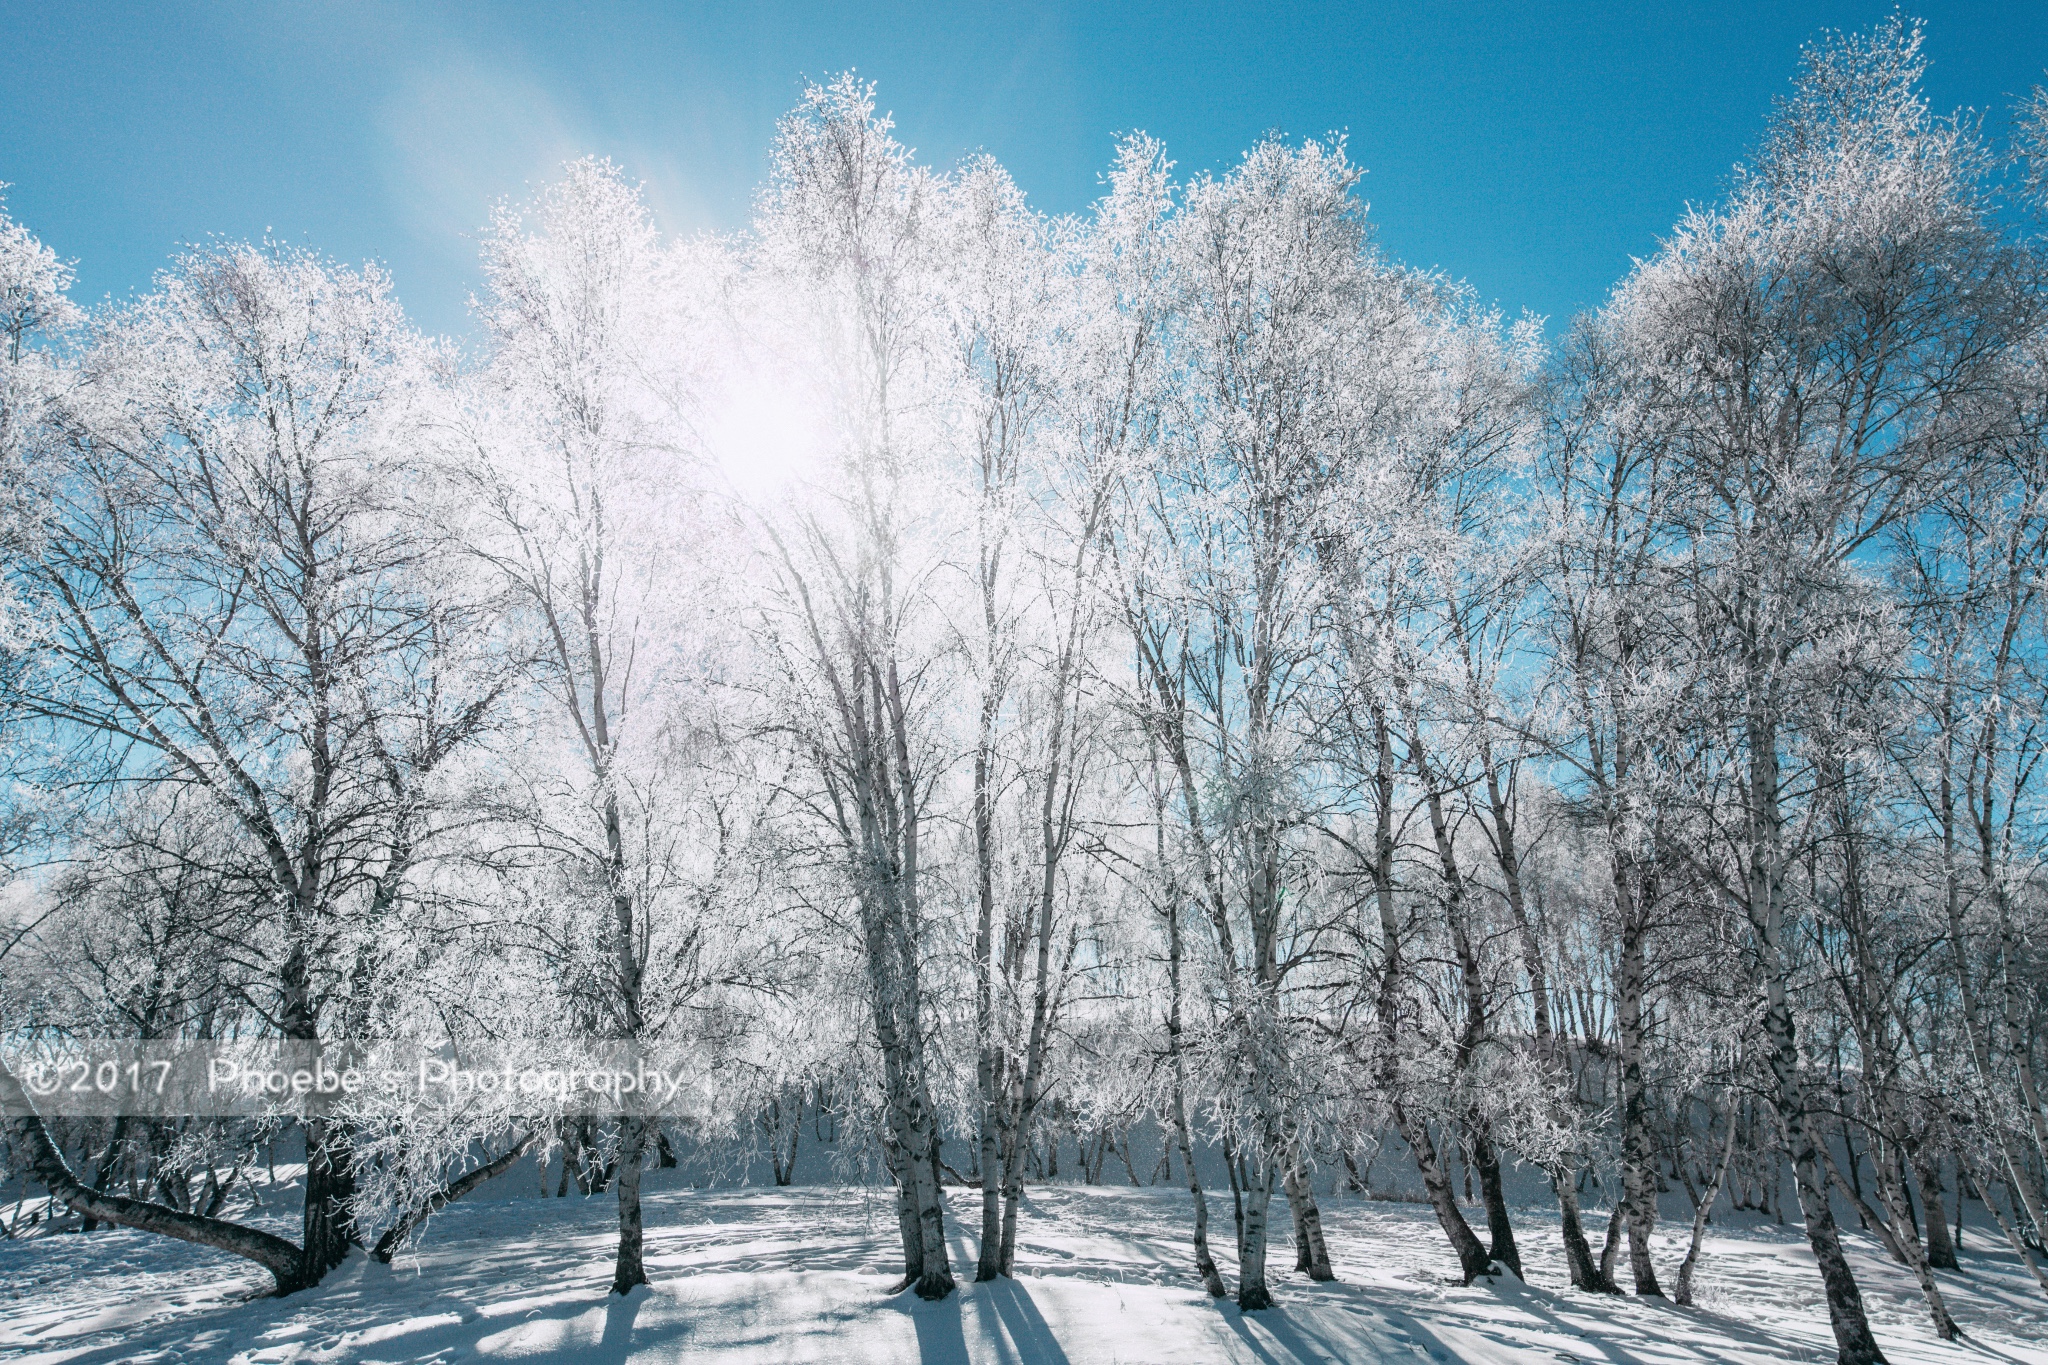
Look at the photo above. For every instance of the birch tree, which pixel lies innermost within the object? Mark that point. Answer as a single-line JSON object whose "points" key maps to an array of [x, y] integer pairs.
{"points": [[581, 473], [228, 568], [851, 619], [1809, 338]]}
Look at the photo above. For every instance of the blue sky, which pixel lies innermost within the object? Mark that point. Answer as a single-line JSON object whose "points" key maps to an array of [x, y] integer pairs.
{"points": [[1531, 148]]}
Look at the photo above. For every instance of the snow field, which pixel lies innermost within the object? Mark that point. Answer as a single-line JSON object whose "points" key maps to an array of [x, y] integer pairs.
{"points": [[753, 1276]]}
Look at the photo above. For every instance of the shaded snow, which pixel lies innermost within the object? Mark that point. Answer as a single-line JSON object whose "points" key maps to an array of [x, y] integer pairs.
{"points": [[752, 1276]]}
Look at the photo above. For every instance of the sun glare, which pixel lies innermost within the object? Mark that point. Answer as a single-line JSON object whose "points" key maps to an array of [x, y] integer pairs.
{"points": [[764, 435]]}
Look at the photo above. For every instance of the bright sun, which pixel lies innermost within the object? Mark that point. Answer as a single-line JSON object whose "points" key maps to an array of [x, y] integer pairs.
{"points": [[763, 433]]}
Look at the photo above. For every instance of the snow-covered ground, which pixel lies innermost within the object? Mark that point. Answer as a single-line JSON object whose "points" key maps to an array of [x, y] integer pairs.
{"points": [[762, 1275]]}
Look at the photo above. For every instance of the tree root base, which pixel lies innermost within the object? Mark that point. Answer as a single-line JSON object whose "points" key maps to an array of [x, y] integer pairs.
{"points": [[934, 1286]]}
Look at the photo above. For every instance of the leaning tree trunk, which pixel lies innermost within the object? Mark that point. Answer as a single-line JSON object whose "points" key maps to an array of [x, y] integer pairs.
{"points": [[1871, 1020], [1763, 903], [1854, 1342], [1683, 1293], [2012, 1237], [395, 1236], [1898, 1203], [284, 1261], [1472, 1258], [1443, 1200]]}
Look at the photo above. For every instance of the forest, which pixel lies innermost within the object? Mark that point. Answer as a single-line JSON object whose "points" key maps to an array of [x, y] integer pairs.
{"points": [[1167, 694]]}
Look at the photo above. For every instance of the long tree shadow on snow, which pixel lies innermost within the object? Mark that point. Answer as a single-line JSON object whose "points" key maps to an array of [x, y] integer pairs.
{"points": [[1007, 1327], [1020, 1318]]}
